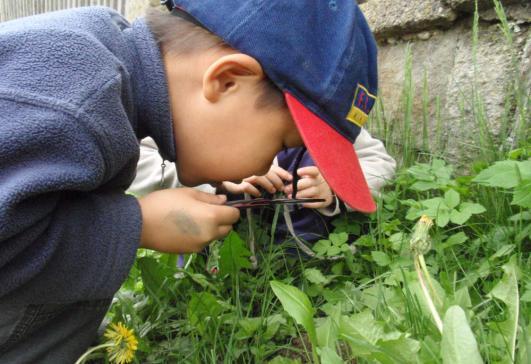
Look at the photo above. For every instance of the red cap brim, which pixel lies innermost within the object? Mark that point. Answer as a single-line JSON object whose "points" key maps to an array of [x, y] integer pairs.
{"points": [[335, 157]]}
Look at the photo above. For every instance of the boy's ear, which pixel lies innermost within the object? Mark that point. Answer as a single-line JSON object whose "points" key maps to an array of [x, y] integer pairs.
{"points": [[227, 73]]}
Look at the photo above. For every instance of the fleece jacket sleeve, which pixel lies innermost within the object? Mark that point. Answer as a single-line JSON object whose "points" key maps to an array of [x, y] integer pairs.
{"points": [[68, 232]]}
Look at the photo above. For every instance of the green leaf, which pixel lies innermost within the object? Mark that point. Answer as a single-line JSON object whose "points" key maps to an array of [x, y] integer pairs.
{"points": [[233, 255], [332, 247], [398, 241], [434, 204], [504, 174], [248, 326], [462, 297], [526, 297], [347, 224], [333, 250], [437, 172], [437, 209], [298, 306], [380, 258], [203, 311], [472, 208], [153, 274], [361, 331], [273, 324], [522, 195], [524, 216], [442, 217], [338, 239], [507, 291], [315, 276], [452, 199], [329, 356], [400, 350], [327, 333], [442, 172], [424, 186], [455, 239], [458, 344], [321, 247], [421, 172], [459, 217], [368, 339]]}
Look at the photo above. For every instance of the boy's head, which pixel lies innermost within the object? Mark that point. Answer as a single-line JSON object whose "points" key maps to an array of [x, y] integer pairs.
{"points": [[230, 120], [320, 55]]}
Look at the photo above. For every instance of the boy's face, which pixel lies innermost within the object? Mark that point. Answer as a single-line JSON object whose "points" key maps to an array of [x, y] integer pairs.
{"points": [[220, 133]]}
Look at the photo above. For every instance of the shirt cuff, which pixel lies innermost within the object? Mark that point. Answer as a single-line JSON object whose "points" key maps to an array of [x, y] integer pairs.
{"points": [[331, 210]]}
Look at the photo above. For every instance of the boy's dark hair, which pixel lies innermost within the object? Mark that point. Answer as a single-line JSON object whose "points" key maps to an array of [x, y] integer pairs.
{"points": [[180, 37]]}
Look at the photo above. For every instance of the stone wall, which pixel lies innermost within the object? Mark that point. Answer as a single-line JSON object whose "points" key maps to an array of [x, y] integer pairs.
{"points": [[438, 33]]}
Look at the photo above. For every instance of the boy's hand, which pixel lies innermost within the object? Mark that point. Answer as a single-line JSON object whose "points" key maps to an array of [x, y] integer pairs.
{"points": [[312, 185], [272, 182], [184, 220]]}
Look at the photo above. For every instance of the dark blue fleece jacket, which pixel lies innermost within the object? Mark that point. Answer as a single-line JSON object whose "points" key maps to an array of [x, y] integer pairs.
{"points": [[78, 88]]}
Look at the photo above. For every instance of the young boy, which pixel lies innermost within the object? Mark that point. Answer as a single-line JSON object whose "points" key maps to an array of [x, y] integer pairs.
{"points": [[80, 87]]}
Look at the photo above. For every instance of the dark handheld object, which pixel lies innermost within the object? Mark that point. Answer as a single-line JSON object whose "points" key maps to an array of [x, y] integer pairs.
{"points": [[263, 202]]}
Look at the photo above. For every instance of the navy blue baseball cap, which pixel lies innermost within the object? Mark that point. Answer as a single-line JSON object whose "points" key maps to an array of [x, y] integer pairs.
{"points": [[323, 57]]}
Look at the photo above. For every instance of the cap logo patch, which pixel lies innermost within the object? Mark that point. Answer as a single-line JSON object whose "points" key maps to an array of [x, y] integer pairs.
{"points": [[361, 106]]}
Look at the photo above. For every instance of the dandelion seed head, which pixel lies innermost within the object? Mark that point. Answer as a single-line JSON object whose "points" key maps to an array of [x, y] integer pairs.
{"points": [[420, 242]]}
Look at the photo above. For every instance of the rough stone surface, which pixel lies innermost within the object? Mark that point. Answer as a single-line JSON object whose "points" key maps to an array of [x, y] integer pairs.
{"points": [[488, 79], [469, 5], [521, 120], [391, 16], [525, 66], [520, 13], [443, 58]]}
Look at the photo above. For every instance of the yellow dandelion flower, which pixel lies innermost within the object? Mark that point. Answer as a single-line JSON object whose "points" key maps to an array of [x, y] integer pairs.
{"points": [[124, 343]]}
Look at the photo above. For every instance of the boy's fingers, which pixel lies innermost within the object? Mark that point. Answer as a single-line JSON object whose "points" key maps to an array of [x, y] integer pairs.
{"points": [[310, 192], [230, 187], [226, 215], [276, 181], [301, 185], [224, 230], [246, 187], [265, 183], [285, 175], [314, 205], [210, 198], [311, 171], [307, 183]]}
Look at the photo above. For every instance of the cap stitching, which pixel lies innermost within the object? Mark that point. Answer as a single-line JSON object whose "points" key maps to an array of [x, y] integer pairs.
{"points": [[245, 20]]}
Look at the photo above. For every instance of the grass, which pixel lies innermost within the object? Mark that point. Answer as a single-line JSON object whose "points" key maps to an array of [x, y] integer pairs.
{"points": [[368, 307]]}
